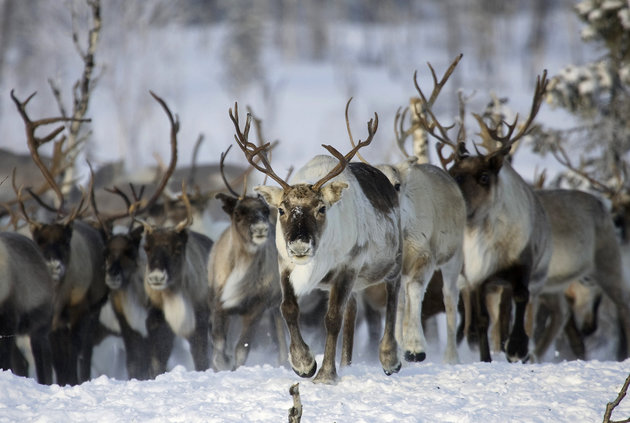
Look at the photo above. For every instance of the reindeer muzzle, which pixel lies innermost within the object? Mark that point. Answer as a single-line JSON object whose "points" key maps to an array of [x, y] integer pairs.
{"points": [[259, 232], [300, 252], [56, 269], [157, 280]]}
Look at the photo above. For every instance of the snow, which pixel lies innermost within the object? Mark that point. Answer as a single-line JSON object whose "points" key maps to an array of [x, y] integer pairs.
{"points": [[305, 111], [575, 391]]}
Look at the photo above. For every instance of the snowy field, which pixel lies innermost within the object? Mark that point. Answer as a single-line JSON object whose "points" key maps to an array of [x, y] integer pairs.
{"points": [[575, 391], [305, 111]]}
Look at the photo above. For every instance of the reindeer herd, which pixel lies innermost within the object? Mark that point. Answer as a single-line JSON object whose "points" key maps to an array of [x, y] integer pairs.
{"points": [[515, 265]]}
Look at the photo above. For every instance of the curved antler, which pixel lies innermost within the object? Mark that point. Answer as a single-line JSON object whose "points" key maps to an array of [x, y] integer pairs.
{"points": [[188, 220], [251, 150], [222, 169], [344, 160], [350, 131], [35, 142]]}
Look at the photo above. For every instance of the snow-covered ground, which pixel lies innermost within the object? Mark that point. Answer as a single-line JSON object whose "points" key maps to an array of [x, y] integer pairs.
{"points": [[575, 391]]}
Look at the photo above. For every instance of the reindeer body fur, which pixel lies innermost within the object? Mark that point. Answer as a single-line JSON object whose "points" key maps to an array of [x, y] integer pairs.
{"points": [[356, 245], [433, 218], [497, 235], [350, 229], [26, 293], [243, 278]]}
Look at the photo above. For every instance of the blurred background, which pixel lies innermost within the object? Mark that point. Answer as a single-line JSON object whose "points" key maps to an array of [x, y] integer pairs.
{"points": [[294, 62]]}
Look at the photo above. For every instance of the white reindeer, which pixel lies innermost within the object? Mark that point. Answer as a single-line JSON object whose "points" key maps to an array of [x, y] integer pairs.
{"points": [[338, 229], [433, 218]]}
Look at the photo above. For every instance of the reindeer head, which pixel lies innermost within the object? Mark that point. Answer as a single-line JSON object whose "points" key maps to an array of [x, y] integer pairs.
{"points": [[477, 176], [250, 216], [166, 255], [166, 250], [302, 215], [54, 240], [122, 258], [302, 208]]}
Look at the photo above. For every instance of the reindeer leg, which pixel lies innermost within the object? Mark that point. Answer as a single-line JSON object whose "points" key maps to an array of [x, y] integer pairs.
{"points": [[220, 360], [42, 354], [300, 356], [517, 346], [279, 336], [198, 340], [349, 323], [160, 340], [388, 348], [415, 280], [482, 321], [338, 297], [250, 322], [450, 292], [64, 356]]}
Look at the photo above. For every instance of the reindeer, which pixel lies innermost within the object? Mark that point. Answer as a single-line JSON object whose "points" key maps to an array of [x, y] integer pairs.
{"points": [[175, 280], [243, 275], [73, 252], [507, 237], [433, 215], [585, 249], [338, 229], [26, 303]]}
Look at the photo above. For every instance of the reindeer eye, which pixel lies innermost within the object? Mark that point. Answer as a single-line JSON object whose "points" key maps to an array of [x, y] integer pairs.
{"points": [[397, 187], [322, 210], [484, 179], [281, 211]]}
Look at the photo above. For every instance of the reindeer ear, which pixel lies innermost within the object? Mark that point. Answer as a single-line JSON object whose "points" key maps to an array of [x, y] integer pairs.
{"points": [[272, 195], [332, 192], [229, 202], [496, 159], [136, 234]]}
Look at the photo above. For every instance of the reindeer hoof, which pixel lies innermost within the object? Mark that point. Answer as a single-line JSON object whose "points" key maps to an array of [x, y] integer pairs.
{"points": [[308, 373], [390, 372], [516, 352], [415, 357]]}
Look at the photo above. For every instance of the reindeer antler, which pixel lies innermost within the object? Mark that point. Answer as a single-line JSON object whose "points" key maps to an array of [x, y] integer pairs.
{"points": [[221, 168], [506, 141], [251, 150], [350, 131], [35, 142], [372, 126], [188, 219]]}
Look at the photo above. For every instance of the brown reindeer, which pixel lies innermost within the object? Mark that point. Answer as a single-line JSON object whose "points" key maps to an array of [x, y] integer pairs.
{"points": [[507, 237], [243, 276], [338, 229], [26, 304], [73, 252]]}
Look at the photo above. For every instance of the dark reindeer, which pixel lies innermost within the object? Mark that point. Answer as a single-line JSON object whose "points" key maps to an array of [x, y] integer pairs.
{"points": [[176, 280], [26, 304], [73, 252], [147, 338], [507, 238], [243, 276], [338, 229]]}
